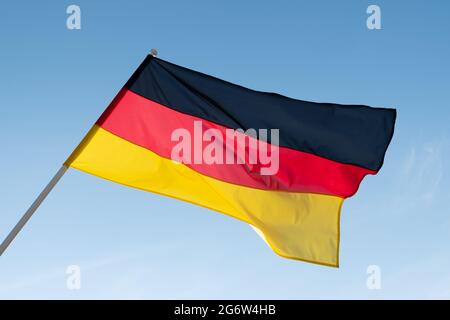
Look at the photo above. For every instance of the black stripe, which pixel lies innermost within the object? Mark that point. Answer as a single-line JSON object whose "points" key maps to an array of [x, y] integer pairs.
{"points": [[352, 134]]}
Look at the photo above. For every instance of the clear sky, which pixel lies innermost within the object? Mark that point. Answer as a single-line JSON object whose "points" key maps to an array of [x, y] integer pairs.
{"points": [[55, 82]]}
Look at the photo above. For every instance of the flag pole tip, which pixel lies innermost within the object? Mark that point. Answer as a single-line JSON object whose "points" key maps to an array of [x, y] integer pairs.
{"points": [[153, 52]]}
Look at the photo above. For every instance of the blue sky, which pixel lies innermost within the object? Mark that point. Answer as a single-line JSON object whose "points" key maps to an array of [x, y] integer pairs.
{"points": [[55, 82]]}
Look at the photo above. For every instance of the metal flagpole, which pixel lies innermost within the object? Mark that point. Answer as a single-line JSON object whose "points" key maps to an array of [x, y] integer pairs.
{"points": [[32, 209], [40, 198]]}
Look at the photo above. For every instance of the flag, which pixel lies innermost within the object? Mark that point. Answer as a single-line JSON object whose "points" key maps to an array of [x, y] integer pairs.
{"points": [[282, 165]]}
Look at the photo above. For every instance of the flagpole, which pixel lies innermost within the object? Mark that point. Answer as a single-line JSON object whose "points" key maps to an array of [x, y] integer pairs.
{"points": [[13, 233], [35, 205]]}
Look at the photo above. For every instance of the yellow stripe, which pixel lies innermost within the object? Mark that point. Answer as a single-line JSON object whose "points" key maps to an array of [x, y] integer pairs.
{"points": [[301, 226]]}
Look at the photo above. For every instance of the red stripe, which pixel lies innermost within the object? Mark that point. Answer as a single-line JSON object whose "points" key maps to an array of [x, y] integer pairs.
{"points": [[150, 125]]}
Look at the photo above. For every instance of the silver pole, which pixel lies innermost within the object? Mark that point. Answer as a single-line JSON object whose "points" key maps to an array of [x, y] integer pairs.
{"points": [[32, 209], [13, 233]]}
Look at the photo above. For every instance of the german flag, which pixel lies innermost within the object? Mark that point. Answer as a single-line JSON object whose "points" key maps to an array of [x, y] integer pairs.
{"points": [[323, 151]]}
